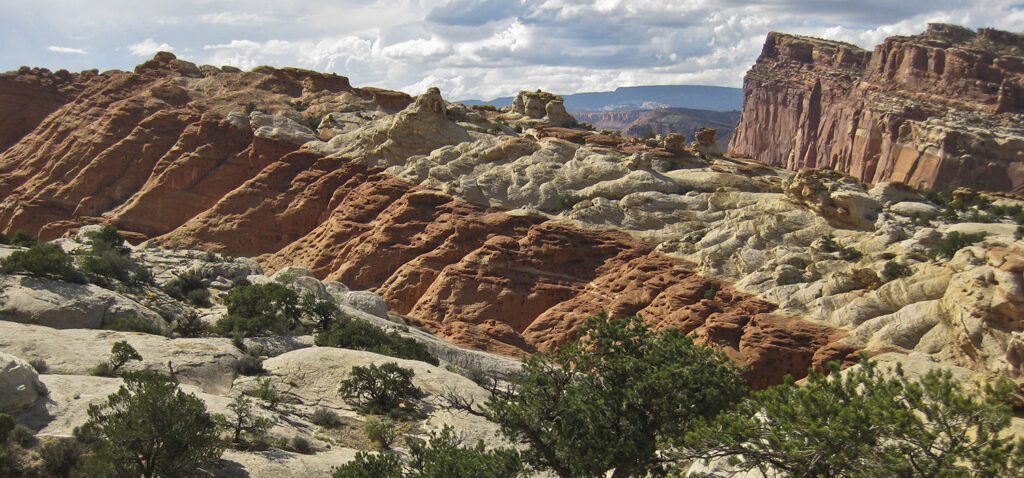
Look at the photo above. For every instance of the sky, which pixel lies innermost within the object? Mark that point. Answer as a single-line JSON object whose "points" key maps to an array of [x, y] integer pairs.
{"points": [[471, 49]]}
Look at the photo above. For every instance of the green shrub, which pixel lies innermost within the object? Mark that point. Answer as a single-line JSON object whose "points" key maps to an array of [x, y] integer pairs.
{"points": [[265, 391], [301, 444], [109, 259], [60, 456], [250, 365], [260, 310], [443, 455], [42, 260], [850, 254], [22, 436], [325, 417], [711, 291], [134, 323], [357, 334], [102, 369], [894, 270], [149, 428], [954, 241], [121, 353], [379, 390], [382, 431], [189, 286], [23, 239], [190, 324]]}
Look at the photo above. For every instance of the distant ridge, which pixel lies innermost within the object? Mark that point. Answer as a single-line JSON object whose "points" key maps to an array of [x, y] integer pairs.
{"points": [[714, 98]]}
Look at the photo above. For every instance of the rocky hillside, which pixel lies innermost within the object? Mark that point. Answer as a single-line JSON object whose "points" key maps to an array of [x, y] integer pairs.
{"points": [[503, 229], [663, 121], [936, 110]]}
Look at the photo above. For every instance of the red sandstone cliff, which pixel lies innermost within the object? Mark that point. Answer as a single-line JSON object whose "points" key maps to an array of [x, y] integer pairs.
{"points": [[934, 110]]}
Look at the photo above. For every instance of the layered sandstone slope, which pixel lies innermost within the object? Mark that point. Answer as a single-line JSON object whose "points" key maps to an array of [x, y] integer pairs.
{"points": [[935, 110], [501, 230], [664, 121]]}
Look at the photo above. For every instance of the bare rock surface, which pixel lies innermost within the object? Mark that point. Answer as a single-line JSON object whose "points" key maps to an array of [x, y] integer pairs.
{"points": [[19, 384]]}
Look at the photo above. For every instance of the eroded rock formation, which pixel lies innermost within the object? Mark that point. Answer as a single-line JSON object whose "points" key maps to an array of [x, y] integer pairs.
{"points": [[935, 110]]}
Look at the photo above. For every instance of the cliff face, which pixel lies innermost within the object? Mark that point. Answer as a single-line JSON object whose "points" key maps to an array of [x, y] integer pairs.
{"points": [[934, 110]]}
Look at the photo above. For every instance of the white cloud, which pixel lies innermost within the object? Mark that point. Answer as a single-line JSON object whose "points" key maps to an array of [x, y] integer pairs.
{"points": [[236, 19], [148, 47], [475, 48], [64, 49]]}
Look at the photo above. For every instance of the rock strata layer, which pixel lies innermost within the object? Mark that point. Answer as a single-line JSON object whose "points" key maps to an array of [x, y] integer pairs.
{"points": [[935, 110]]}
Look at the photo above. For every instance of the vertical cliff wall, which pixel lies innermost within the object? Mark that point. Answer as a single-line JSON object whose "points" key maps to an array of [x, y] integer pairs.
{"points": [[935, 110]]}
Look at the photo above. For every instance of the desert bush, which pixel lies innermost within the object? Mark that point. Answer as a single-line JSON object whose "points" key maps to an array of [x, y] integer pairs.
{"points": [[22, 239], [243, 423], [265, 391], [250, 365], [60, 456], [133, 323], [259, 310], [40, 365], [22, 436], [380, 390], [149, 428], [382, 431], [952, 242], [895, 270], [443, 455], [42, 260], [108, 258], [325, 417], [120, 354], [301, 444], [711, 291], [357, 334], [190, 324], [189, 286]]}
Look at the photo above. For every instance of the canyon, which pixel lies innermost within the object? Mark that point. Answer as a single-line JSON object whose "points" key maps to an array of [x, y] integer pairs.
{"points": [[937, 110], [664, 121]]}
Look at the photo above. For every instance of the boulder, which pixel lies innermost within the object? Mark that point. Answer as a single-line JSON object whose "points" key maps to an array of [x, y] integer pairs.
{"points": [[66, 305], [19, 384]]}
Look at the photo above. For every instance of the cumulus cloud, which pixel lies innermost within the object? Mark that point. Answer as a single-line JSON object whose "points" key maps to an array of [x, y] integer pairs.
{"points": [[148, 47], [478, 48], [64, 49]]}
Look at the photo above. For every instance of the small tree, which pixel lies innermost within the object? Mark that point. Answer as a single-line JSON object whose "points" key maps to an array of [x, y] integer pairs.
{"points": [[357, 334], [243, 421], [606, 401], [865, 424], [262, 309], [109, 258], [121, 353], [380, 389], [149, 428], [189, 286]]}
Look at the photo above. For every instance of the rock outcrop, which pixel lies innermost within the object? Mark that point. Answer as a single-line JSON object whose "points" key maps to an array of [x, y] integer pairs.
{"points": [[19, 384], [935, 110], [664, 121]]}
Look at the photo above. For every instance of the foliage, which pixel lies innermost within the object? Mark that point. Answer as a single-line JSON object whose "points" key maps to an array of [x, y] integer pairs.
{"points": [[121, 353], [60, 456], [324, 313], [265, 391], [608, 399], [22, 436], [8, 459], [301, 444], [954, 241], [443, 456], [190, 324], [109, 258], [260, 310], [895, 270], [379, 390], [189, 286], [711, 291], [134, 323], [250, 365], [325, 417], [149, 428], [19, 238], [382, 431], [42, 260], [569, 200], [357, 334], [862, 424], [243, 422]]}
